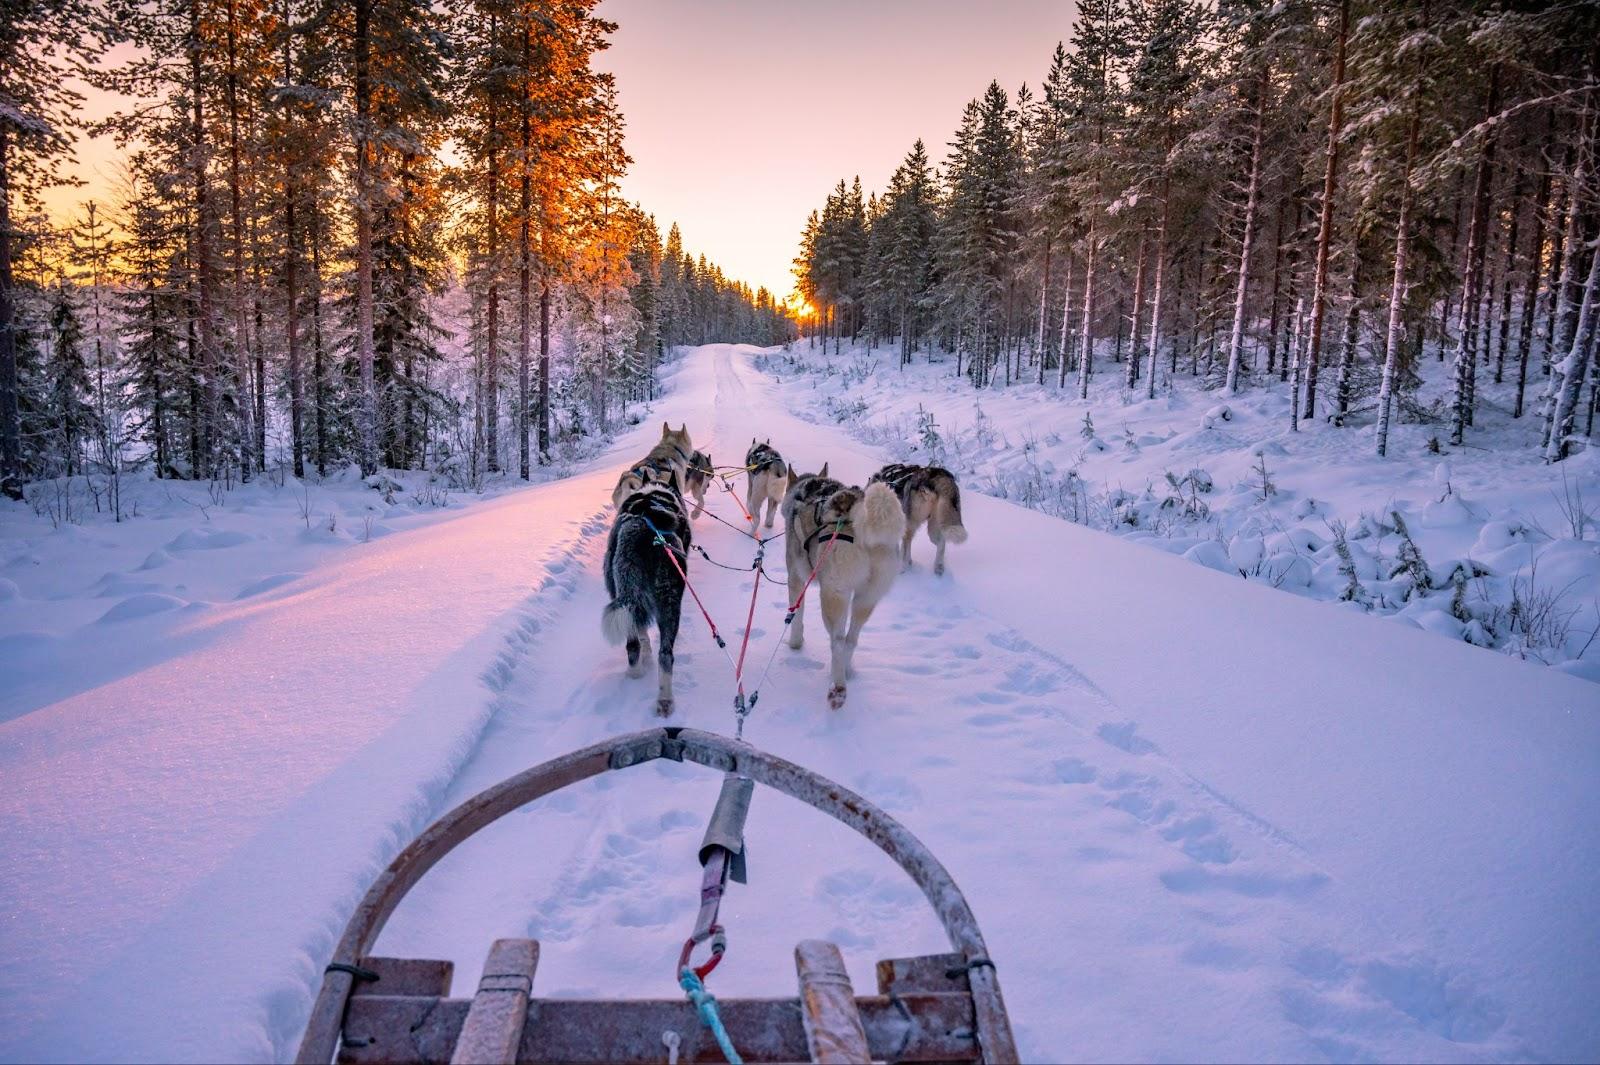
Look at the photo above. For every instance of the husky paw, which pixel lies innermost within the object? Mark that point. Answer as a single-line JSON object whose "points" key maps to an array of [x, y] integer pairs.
{"points": [[836, 697], [636, 670], [797, 640], [938, 571], [663, 707]]}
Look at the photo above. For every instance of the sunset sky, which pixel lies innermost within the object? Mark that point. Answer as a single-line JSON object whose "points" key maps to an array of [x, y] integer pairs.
{"points": [[743, 113]]}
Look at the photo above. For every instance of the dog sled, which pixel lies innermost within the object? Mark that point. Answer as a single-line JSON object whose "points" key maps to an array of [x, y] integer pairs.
{"points": [[934, 1008]]}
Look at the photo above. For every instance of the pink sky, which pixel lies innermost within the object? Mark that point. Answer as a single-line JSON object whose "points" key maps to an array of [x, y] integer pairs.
{"points": [[743, 113]]}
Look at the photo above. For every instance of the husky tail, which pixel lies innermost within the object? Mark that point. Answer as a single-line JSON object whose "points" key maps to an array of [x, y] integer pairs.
{"points": [[879, 520], [949, 512], [622, 621]]}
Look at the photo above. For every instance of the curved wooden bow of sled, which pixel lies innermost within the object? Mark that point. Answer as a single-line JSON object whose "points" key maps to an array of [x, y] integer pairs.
{"points": [[992, 1029]]}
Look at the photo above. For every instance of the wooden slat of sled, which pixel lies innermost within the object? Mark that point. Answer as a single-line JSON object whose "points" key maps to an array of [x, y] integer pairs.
{"points": [[386, 1030], [832, 1022], [927, 972], [405, 976], [492, 1030]]}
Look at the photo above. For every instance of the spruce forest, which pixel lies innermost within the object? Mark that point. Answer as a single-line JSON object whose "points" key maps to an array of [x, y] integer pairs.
{"points": [[1323, 192], [380, 232]]}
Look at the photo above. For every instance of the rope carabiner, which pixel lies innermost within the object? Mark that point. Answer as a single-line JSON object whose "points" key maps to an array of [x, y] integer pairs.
{"points": [[719, 945]]}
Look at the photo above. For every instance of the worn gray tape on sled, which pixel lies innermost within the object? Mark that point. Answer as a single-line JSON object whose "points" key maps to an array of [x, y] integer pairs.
{"points": [[726, 829]]}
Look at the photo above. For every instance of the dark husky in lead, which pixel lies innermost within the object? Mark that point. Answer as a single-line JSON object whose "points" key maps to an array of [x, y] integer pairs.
{"points": [[927, 494], [641, 579]]}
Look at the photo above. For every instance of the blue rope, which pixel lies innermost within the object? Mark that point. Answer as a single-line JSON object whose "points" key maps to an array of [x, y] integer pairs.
{"points": [[706, 1004]]}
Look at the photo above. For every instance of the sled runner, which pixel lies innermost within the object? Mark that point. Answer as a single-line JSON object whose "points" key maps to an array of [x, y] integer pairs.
{"points": [[942, 1007]]}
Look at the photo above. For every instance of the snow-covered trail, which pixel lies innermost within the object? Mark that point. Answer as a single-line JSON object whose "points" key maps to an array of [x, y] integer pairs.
{"points": [[1142, 912], [1196, 818]]}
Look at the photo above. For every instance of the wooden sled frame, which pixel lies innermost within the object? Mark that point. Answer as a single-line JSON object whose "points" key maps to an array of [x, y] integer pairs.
{"points": [[960, 989]]}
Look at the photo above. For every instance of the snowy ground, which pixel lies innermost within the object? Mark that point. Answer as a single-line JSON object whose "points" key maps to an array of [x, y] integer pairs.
{"points": [[1184, 473], [1196, 817]]}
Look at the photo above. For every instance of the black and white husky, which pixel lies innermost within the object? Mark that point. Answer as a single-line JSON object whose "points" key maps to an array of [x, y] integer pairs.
{"points": [[927, 494], [644, 584], [765, 469]]}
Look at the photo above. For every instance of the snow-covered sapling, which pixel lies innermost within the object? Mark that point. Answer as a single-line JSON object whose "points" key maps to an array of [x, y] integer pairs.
{"points": [[1353, 591], [928, 429], [1087, 432], [1263, 486], [1410, 565]]}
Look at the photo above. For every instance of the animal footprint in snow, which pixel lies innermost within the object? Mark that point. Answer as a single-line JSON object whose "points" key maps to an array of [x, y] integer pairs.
{"points": [[1124, 735]]}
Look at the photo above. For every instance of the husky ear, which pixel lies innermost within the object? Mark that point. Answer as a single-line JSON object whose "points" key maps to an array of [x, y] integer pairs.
{"points": [[666, 429], [824, 471]]}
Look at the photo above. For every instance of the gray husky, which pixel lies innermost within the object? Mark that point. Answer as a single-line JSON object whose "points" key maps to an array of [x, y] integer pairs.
{"points": [[928, 494], [765, 469], [642, 581], [699, 475], [851, 536]]}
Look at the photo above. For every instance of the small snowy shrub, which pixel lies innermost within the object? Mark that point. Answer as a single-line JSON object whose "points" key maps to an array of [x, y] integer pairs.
{"points": [[928, 433], [1262, 486]]}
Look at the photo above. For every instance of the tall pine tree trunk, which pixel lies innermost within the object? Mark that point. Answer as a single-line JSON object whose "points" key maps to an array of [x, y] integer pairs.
{"points": [[291, 286], [1544, 215], [1086, 348], [1352, 333], [210, 356], [1570, 373], [319, 370], [1131, 374], [525, 254], [1506, 269], [1319, 287], [1044, 310], [1559, 337], [1397, 287], [1472, 283], [1294, 363], [367, 412], [1252, 197], [1066, 324], [1161, 276], [10, 408], [241, 326]]}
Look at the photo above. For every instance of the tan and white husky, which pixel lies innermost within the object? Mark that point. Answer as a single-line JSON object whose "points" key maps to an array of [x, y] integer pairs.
{"points": [[671, 459], [765, 469], [928, 494], [852, 536]]}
